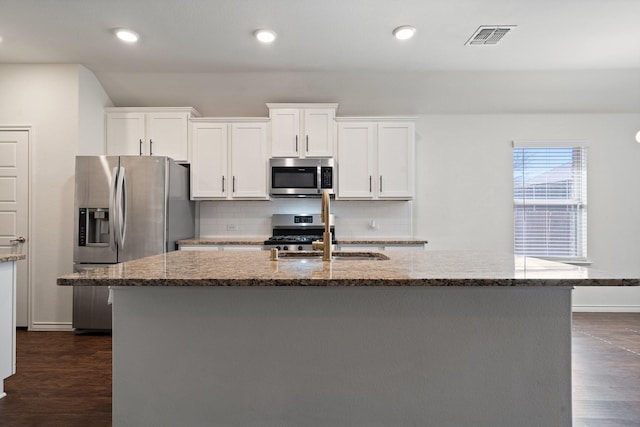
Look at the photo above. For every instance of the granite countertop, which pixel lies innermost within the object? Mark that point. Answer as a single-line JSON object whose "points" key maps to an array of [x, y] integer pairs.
{"points": [[258, 241], [11, 257], [403, 268]]}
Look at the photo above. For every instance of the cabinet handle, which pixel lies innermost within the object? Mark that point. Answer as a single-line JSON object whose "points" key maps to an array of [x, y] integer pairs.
{"points": [[370, 186], [381, 183], [223, 184], [234, 185], [296, 143], [150, 147], [141, 147], [307, 143]]}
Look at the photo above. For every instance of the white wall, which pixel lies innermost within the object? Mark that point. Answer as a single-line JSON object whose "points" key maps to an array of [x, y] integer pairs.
{"points": [[48, 97], [92, 100], [464, 189]]}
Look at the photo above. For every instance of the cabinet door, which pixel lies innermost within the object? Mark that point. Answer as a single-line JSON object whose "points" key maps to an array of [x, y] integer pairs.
{"points": [[285, 132], [209, 162], [318, 132], [249, 160], [396, 160], [167, 135], [356, 160], [125, 134]]}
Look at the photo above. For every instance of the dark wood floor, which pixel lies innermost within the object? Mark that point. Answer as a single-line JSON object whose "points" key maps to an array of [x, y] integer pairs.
{"points": [[606, 369], [62, 379], [65, 379]]}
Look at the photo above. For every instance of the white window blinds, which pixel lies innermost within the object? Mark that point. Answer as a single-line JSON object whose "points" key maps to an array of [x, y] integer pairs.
{"points": [[549, 199]]}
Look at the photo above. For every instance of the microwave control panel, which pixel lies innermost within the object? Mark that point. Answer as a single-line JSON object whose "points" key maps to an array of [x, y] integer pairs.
{"points": [[326, 177]]}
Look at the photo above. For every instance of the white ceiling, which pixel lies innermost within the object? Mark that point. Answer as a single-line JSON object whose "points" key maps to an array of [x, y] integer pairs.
{"points": [[321, 44]]}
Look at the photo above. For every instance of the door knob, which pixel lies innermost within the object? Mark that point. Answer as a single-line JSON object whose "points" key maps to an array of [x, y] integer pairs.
{"points": [[17, 240]]}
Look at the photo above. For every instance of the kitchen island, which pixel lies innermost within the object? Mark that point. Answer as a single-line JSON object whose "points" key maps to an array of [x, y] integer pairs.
{"points": [[422, 338]]}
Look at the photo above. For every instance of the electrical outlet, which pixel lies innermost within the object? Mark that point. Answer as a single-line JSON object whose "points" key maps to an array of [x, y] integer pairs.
{"points": [[233, 227]]}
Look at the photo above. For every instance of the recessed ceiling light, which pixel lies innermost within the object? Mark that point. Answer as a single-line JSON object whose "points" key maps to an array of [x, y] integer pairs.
{"points": [[265, 36], [126, 35], [404, 32], [638, 136]]}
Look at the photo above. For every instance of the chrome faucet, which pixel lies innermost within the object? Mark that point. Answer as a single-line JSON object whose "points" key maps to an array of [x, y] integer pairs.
{"points": [[325, 244]]}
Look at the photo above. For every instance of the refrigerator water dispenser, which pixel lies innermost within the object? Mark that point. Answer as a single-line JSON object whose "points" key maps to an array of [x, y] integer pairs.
{"points": [[93, 227]]}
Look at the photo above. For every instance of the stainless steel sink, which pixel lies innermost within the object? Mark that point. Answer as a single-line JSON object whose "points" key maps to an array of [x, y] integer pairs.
{"points": [[336, 255]]}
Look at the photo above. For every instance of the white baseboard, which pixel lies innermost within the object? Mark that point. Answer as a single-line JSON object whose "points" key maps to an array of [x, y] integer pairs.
{"points": [[51, 326], [606, 308]]}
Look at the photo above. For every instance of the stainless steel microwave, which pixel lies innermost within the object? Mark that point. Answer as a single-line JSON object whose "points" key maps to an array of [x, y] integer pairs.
{"points": [[293, 177]]}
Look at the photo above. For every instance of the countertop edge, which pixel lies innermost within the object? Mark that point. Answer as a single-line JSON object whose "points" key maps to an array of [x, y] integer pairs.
{"points": [[11, 257], [429, 282], [255, 241]]}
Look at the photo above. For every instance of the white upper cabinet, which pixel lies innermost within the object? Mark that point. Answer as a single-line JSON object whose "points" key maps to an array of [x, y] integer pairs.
{"points": [[356, 159], [209, 145], [376, 159], [148, 131], [396, 160], [249, 160], [229, 159], [302, 130]]}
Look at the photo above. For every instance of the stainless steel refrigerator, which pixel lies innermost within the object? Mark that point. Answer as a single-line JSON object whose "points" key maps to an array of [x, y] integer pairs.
{"points": [[126, 207]]}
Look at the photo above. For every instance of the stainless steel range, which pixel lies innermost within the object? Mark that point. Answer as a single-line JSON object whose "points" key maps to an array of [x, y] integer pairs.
{"points": [[295, 232]]}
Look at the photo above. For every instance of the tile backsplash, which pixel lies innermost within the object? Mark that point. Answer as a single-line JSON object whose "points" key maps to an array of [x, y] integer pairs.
{"points": [[353, 219]]}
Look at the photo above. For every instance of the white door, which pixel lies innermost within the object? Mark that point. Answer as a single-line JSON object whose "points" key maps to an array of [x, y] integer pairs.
{"points": [[14, 209]]}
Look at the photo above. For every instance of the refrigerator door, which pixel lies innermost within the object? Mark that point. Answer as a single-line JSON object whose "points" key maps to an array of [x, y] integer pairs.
{"points": [[143, 204], [93, 210], [91, 308]]}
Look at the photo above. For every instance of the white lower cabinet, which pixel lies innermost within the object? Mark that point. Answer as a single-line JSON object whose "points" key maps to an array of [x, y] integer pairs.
{"points": [[229, 160], [7, 322], [376, 159]]}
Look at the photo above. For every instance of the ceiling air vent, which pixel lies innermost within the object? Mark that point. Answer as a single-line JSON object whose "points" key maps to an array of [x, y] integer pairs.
{"points": [[489, 34]]}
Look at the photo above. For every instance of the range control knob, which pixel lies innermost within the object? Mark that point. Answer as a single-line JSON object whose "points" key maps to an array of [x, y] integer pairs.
{"points": [[286, 248], [278, 248], [300, 248]]}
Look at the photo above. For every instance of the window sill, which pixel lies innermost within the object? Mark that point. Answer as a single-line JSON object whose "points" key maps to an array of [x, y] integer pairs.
{"points": [[573, 261]]}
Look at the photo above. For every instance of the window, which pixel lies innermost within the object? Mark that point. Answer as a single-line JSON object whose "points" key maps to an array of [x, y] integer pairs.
{"points": [[549, 201]]}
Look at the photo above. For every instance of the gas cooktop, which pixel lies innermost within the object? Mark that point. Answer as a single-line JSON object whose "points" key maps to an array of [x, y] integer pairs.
{"points": [[293, 232]]}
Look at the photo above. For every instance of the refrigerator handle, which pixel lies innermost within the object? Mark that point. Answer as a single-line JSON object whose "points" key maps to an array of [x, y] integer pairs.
{"points": [[121, 198], [112, 209]]}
